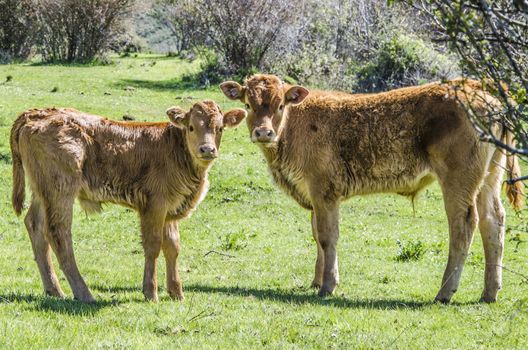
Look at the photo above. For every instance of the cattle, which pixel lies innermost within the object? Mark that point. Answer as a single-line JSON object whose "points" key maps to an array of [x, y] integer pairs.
{"points": [[158, 169], [324, 147]]}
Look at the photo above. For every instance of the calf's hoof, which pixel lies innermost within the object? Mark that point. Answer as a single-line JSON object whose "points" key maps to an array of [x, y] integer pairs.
{"points": [[440, 300], [325, 291], [55, 293], [316, 284], [489, 294], [488, 298], [89, 299], [176, 295], [444, 295], [151, 296], [83, 295], [153, 299]]}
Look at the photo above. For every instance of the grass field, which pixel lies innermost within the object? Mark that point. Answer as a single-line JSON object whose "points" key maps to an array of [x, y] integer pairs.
{"points": [[256, 292]]}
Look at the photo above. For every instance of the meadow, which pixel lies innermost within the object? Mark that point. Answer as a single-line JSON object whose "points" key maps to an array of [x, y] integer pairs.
{"points": [[247, 252]]}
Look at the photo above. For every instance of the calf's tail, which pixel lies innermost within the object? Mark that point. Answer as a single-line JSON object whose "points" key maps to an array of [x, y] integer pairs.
{"points": [[514, 189], [19, 183]]}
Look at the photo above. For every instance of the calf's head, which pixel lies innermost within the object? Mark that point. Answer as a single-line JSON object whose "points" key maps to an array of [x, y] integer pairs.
{"points": [[203, 125], [267, 99]]}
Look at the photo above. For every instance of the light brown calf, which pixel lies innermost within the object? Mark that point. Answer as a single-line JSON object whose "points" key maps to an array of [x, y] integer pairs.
{"points": [[158, 169], [333, 146]]}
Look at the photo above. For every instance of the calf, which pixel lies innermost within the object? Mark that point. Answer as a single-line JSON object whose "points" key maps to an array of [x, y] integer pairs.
{"points": [[158, 169], [335, 145]]}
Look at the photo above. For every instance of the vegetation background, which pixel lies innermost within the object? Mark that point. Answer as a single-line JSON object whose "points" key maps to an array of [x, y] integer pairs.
{"points": [[248, 255]]}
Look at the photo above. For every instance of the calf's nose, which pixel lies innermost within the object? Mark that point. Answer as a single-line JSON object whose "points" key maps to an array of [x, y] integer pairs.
{"points": [[264, 135], [207, 150]]}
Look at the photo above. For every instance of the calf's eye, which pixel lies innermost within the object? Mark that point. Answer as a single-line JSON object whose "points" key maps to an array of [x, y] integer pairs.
{"points": [[281, 107], [247, 106], [191, 129]]}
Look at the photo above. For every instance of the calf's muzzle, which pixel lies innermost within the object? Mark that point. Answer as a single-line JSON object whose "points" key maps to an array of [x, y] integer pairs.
{"points": [[263, 135], [208, 151]]}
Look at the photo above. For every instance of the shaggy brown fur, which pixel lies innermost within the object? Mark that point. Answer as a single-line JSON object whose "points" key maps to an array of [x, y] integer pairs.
{"points": [[334, 145], [158, 169]]}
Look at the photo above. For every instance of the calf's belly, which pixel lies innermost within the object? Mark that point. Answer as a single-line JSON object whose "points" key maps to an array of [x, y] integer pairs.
{"points": [[407, 185]]}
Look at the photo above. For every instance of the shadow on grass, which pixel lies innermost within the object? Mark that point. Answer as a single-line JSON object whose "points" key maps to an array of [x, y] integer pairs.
{"points": [[90, 64], [114, 289], [290, 296], [98, 62], [65, 306], [293, 296], [160, 85]]}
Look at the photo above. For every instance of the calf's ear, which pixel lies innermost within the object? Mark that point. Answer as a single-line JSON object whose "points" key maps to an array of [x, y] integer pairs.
{"points": [[233, 117], [296, 94], [177, 116], [232, 90]]}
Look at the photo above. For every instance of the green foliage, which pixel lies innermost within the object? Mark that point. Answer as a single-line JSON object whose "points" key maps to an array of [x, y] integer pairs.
{"points": [[5, 156], [316, 66], [17, 29], [62, 30], [211, 68], [348, 47], [241, 33], [235, 240], [410, 251], [490, 40], [404, 60]]}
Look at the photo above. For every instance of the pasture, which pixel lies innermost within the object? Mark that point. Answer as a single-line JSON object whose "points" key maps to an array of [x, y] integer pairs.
{"points": [[247, 252]]}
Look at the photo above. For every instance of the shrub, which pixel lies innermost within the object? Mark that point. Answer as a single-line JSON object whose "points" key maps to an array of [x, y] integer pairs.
{"points": [[344, 45], [211, 72], [241, 32], [234, 241], [333, 44], [410, 251], [77, 30], [127, 43], [166, 26], [17, 29], [403, 61], [211, 68]]}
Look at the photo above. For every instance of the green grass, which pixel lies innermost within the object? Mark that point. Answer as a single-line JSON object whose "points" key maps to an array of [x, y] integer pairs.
{"points": [[255, 293]]}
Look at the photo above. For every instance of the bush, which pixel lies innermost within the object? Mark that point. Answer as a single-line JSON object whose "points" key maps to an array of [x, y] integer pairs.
{"points": [[77, 30], [242, 33], [212, 70], [127, 43], [344, 45], [333, 44], [17, 29], [403, 61], [410, 251], [166, 26]]}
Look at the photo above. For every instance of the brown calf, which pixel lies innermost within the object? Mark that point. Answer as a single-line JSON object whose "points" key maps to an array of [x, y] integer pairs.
{"points": [[334, 146], [158, 169]]}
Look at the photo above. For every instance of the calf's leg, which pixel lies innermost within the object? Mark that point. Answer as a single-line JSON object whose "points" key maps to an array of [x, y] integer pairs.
{"points": [[460, 162], [462, 222], [152, 223], [171, 250], [491, 225], [327, 224], [319, 263], [460, 184], [41, 249], [58, 223]]}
